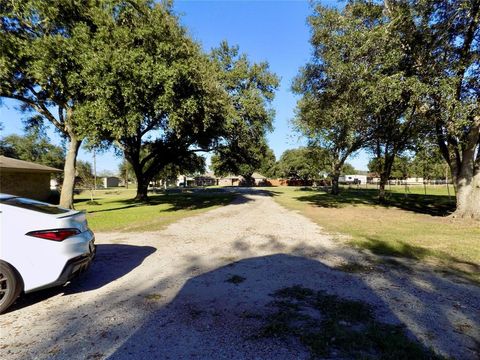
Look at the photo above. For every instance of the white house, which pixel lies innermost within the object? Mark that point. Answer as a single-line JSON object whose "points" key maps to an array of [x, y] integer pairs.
{"points": [[410, 181], [352, 179], [184, 180], [407, 181]]}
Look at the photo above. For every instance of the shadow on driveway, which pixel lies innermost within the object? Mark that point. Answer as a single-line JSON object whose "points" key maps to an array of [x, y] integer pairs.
{"points": [[112, 262], [223, 314]]}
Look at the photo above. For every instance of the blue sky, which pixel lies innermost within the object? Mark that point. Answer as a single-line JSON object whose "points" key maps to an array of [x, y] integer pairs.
{"points": [[273, 31]]}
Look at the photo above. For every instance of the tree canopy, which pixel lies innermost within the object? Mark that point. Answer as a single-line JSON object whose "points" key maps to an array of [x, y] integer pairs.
{"points": [[303, 163], [47, 58], [383, 76], [191, 103], [34, 146], [333, 112], [250, 88], [441, 40]]}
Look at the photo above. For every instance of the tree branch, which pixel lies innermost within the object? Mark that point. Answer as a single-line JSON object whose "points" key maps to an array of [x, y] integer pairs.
{"points": [[442, 143], [465, 53], [149, 127], [40, 108], [208, 149]]}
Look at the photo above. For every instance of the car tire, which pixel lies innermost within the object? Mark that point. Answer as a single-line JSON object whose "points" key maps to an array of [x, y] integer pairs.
{"points": [[11, 286]]}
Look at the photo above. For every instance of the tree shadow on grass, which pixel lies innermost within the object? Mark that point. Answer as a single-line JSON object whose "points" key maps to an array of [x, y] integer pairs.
{"points": [[181, 201], [397, 249], [111, 262], [81, 201], [465, 270], [435, 205]]}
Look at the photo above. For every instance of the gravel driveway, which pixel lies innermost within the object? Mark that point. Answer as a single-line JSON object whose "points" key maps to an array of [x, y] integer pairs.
{"points": [[193, 289]]}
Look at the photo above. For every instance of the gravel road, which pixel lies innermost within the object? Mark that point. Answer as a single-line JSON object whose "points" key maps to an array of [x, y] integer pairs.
{"points": [[165, 295]]}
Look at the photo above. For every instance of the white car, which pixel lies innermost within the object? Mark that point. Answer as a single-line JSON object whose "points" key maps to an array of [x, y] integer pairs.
{"points": [[41, 246]]}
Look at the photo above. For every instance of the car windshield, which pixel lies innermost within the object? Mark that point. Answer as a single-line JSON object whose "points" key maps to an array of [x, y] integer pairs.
{"points": [[33, 205]]}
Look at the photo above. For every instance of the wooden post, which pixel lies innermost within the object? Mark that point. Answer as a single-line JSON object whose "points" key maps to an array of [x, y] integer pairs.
{"points": [[446, 182], [94, 170], [126, 171]]}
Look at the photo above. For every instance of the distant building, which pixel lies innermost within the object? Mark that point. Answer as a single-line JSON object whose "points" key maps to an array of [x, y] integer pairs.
{"points": [[258, 179], [186, 181], [393, 181], [110, 181], [207, 179], [409, 181], [352, 179], [24, 178], [238, 180], [229, 180]]}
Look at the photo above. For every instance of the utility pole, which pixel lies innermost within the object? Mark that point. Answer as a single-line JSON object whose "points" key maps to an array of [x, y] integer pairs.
{"points": [[446, 181], [94, 170], [126, 170]]}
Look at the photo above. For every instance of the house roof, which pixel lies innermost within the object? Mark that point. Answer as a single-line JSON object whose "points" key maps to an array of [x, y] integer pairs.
{"points": [[205, 176], [256, 175], [16, 165], [230, 176]]}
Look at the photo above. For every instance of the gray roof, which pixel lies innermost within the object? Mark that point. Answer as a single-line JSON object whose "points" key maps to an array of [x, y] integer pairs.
{"points": [[256, 175], [16, 165], [230, 176]]}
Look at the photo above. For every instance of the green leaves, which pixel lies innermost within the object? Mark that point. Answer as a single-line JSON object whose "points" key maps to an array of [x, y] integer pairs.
{"points": [[303, 163], [339, 85], [34, 146], [250, 89]]}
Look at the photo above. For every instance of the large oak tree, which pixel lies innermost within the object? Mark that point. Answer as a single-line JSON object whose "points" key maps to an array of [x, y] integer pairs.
{"points": [[250, 88], [157, 92], [442, 41], [47, 54], [39, 67], [351, 94]]}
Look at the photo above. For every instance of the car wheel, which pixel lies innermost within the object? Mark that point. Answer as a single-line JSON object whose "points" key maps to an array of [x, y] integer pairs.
{"points": [[10, 286]]}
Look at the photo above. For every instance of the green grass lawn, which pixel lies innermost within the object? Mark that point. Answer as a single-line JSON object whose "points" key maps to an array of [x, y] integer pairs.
{"points": [[412, 226], [118, 212]]}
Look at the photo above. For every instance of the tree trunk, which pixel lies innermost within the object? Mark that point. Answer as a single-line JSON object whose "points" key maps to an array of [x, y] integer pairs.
{"points": [[385, 172], [381, 189], [142, 189], [465, 171], [468, 192], [142, 178], [335, 187], [337, 167], [248, 180], [66, 196]]}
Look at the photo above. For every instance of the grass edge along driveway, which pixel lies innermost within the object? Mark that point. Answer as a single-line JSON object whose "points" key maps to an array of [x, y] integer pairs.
{"points": [[117, 211], [413, 226]]}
